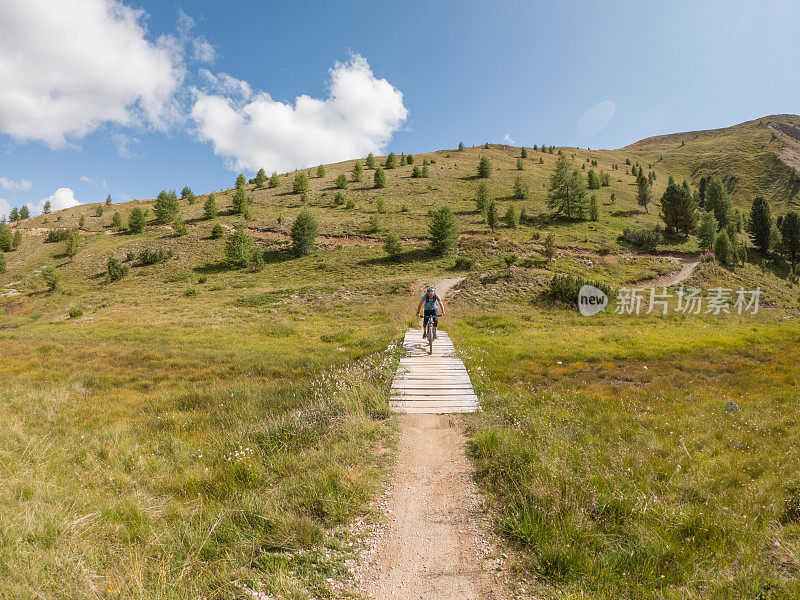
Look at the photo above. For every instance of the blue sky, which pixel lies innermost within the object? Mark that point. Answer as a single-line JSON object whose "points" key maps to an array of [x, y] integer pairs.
{"points": [[159, 95]]}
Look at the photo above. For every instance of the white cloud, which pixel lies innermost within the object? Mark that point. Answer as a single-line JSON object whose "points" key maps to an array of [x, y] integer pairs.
{"points": [[596, 118], [68, 66], [60, 199], [10, 184], [85, 178], [122, 142], [203, 51], [225, 85], [507, 139], [359, 116]]}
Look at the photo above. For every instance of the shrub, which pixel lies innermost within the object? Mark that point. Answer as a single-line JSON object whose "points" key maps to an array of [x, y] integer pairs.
{"points": [[300, 183], [51, 277], [210, 210], [166, 207], [391, 161], [510, 259], [644, 239], [98, 212], [2, 262], [115, 270], [338, 199], [416, 172], [190, 292], [136, 220], [404, 208], [341, 181], [380, 205], [151, 257], [56, 235], [392, 245], [179, 227], [116, 220], [550, 246], [16, 240], [303, 233], [520, 165], [594, 208], [592, 180], [402, 160], [320, 171], [565, 288], [75, 313], [443, 231], [350, 204], [410, 160], [723, 248], [239, 249], [425, 172], [460, 146], [485, 168], [216, 231], [464, 263], [82, 222], [274, 180], [380, 178]]}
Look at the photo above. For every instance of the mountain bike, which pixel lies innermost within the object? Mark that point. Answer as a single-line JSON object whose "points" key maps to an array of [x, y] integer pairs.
{"points": [[429, 331]]}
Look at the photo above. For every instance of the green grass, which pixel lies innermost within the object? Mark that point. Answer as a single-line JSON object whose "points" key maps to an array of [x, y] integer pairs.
{"points": [[612, 463]]}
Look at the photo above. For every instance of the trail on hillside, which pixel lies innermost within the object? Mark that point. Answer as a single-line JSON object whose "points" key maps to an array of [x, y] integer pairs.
{"points": [[437, 541], [688, 265]]}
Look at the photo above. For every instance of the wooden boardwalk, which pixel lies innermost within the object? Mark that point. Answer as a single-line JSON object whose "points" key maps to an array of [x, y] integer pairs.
{"points": [[431, 383]]}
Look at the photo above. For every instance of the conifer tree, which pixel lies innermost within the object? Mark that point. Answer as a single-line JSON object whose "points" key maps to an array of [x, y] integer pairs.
{"points": [[261, 178], [485, 168], [341, 181], [370, 161], [760, 224], [523, 153], [303, 233], [320, 172], [790, 231], [24, 212], [643, 192], [380, 178], [210, 209], [47, 208], [166, 207], [358, 172], [274, 180], [443, 231], [492, 216], [707, 233], [520, 165], [567, 192], [482, 197], [241, 181], [300, 183], [391, 161], [137, 220]]}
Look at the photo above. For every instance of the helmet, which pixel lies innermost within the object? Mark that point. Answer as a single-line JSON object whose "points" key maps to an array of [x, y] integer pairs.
{"points": [[431, 290]]}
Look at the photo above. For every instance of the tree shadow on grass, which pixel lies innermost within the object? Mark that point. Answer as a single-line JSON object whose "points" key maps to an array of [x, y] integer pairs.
{"points": [[213, 267], [409, 256], [625, 213]]}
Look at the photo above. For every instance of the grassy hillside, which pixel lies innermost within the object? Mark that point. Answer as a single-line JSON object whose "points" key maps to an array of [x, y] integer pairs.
{"points": [[194, 427]]}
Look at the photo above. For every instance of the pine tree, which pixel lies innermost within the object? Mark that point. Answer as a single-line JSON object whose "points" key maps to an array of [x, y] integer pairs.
{"points": [[416, 172], [303, 233], [523, 153], [47, 208], [722, 247], [210, 210], [239, 249], [274, 180], [82, 222], [72, 244], [410, 159], [443, 231], [520, 165], [482, 197], [391, 161], [166, 207], [760, 224], [392, 245], [241, 181], [485, 168], [108, 200], [24, 212], [402, 160], [790, 231], [51, 277], [14, 215], [115, 270], [425, 172], [2, 262], [521, 190], [701, 189], [486, 146], [137, 220], [460, 146], [240, 201], [708, 230], [320, 172], [718, 200], [593, 181], [492, 216], [98, 212], [512, 217], [116, 220], [567, 191], [261, 178], [188, 195], [594, 208], [300, 184], [643, 191], [6, 239], [216, 231], [380, 178], [370, 162], [358, 172], [341, 181]]}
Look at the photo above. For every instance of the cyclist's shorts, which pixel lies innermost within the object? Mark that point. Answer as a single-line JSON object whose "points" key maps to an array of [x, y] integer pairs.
{"points": [[431, 313]]}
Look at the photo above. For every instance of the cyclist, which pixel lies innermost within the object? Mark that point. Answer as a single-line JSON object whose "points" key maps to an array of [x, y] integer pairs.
{"points": [[432, 301]]}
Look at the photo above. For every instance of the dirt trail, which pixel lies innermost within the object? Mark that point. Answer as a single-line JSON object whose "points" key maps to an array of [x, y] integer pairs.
{"points": [[437, 540], [688, 265]]}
